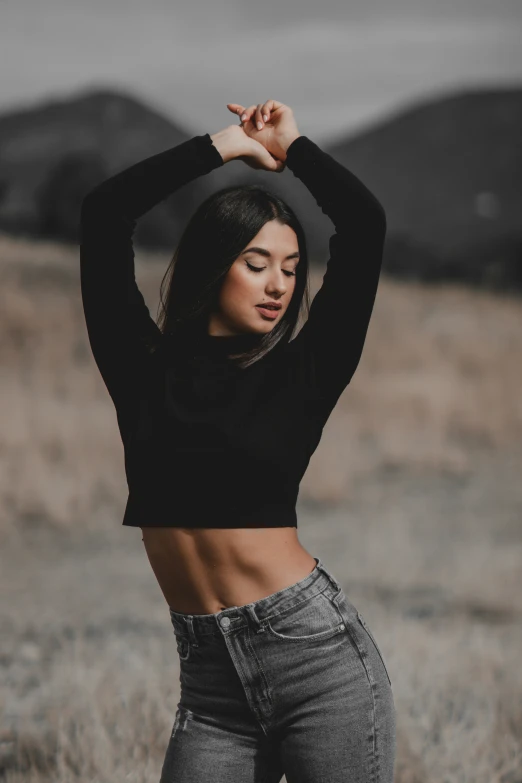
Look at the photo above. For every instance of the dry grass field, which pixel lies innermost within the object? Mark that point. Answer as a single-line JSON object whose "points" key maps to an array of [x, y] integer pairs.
{"points": [[413, 500]]}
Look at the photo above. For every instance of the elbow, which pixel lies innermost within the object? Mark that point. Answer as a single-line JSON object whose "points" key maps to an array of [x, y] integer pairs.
{"points": [[377, 220], [94, 217], [372, 211], [96, 199], [101, 218], [383, 223], [86, 219], [94, 208], [89, 206], [379, 211]]}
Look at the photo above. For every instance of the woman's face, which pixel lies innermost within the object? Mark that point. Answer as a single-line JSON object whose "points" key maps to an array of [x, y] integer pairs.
{"points": [[244, 287]]}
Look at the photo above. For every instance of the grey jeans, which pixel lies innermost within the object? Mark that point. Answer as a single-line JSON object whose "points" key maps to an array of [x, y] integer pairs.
{"points": [[293, 684]]}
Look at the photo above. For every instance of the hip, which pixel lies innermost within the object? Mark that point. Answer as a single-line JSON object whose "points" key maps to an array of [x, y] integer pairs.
{"points": [[301, 657]]}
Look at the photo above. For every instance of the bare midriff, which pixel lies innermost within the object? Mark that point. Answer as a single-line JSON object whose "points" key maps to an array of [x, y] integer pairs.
{"points": [[206, 570]]}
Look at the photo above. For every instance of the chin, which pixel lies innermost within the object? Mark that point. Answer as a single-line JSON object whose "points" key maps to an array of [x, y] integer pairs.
{"points": [[266, 328]]}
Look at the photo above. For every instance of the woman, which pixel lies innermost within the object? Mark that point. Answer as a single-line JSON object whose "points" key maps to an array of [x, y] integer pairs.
{"points": [[219, 413]]}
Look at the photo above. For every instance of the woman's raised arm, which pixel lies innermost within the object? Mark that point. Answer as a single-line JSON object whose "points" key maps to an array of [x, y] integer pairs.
{"points": [[335, 332], [121, 332]]}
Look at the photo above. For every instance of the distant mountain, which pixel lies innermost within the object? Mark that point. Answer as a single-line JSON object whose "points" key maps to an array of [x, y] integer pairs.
{"points": [[50, 156], [448, 172]]}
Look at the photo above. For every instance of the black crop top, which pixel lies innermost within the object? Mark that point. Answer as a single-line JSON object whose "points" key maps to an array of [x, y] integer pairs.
{"points": [[218, 446]]}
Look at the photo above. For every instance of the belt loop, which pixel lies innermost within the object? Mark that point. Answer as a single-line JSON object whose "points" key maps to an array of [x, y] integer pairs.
{"points": [[328, 574], [252, 612], [192, 633]]}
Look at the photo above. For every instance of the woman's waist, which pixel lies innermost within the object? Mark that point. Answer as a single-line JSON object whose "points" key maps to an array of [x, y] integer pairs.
{"points": [[203, 570]]}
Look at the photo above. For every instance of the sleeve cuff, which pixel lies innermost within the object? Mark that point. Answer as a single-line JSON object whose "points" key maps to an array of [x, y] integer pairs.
{"points": [[208, 152]]}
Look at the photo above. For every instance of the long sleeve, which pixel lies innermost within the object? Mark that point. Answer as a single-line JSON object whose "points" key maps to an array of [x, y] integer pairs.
{"points": [[121, 332], [334, 334]]}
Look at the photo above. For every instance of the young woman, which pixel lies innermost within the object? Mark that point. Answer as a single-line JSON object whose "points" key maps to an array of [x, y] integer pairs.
{"points": [[219, 413]]}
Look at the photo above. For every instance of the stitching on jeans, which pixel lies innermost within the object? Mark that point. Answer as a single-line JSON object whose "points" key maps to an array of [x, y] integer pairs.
{"points": [[322, 636], [181, 724], [253, 652], [238, 664], [295, 605], [370, 634], [186, 640], [334, 599], [374, 727]]}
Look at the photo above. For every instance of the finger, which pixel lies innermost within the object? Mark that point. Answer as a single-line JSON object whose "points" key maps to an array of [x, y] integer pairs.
{"points": [[270, 107], [265, 111], [247, 114], [236, 108], [259, 116], [244, 114]]}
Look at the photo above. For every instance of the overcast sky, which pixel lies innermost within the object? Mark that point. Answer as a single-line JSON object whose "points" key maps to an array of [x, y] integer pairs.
{"points": [[339, 64]]}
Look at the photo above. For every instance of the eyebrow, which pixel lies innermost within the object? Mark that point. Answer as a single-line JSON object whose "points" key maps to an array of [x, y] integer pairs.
{"points": [[266, 253]]}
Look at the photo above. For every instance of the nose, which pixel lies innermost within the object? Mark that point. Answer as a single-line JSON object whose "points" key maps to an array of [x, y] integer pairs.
{"points": [[277, 290]]}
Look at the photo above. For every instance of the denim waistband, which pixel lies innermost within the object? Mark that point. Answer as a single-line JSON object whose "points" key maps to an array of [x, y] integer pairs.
{"points": [[315, 582]]}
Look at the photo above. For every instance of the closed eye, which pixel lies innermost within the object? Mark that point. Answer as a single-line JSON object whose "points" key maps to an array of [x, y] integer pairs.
{"points": [[260, 269]]}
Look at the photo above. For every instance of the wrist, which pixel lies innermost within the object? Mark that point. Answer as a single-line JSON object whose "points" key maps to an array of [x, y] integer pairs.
{"points": [[225, 144], [286, 142]]}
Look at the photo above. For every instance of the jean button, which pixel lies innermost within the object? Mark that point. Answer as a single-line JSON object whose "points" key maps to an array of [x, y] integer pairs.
{"points": [[225, 622]]}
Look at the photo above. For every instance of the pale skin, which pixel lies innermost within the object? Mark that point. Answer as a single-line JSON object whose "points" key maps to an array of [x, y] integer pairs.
{"points": [[266, 131], [205, 570], [255, 279]]}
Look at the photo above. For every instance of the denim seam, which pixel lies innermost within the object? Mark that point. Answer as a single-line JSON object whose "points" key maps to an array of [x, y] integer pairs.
{"points": [[370, 634], [324, 635], [334, 599], [258, 662], [374, 727], [362, 652], [287, 608], [187, 654], [238, 665]]}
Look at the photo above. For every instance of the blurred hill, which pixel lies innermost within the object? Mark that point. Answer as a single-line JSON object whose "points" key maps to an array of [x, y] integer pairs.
{"points": [[51, 156], [448, 171]]}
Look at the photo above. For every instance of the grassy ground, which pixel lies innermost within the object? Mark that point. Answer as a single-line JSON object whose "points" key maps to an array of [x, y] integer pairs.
{"points": [[413, 500]]}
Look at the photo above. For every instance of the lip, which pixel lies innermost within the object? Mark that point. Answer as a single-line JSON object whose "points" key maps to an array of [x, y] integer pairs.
{"points": [[271, 315]]}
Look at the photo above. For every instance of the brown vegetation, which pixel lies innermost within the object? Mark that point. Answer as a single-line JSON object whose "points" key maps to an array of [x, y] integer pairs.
{"points": [[413, 500]]}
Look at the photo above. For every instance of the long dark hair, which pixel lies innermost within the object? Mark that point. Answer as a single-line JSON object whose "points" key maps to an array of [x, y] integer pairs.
{"points": [[215, 235]]}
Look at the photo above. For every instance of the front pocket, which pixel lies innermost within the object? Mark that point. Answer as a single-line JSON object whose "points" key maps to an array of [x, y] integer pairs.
{"points": [[314, 618], [366, 628]]}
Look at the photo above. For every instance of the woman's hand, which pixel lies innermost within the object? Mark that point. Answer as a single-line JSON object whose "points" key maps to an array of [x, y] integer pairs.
{"points": [[232, 143], [276, 132]]}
